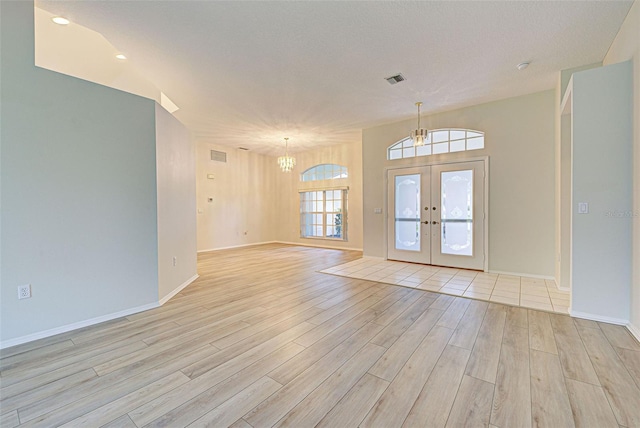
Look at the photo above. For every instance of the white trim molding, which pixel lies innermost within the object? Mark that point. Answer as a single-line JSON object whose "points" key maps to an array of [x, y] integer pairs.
{"points": [[178, 289], [237, 246], [592, 317], [299, 244], [528, 275], [635, 331], [380, 259], [329, 247], [75, 325], [92, 321]]}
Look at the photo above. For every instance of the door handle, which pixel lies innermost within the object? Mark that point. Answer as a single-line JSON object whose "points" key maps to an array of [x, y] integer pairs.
{"points": [[435, 222], [426, 222]]}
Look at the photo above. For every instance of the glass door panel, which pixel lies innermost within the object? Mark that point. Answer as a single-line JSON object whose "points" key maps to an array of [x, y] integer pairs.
{"points": [[407, 212], [408, 201], [456, 215], [458, 192]]}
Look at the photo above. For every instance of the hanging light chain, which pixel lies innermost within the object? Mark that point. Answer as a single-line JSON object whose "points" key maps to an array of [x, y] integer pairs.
{"points": [[419, 135]]}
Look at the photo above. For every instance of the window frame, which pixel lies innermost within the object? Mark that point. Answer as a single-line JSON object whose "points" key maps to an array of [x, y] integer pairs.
{"points": [[343, 213], [404, 148], [306, 176]]}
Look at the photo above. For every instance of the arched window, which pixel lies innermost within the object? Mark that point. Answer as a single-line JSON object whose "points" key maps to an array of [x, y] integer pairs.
{"points": [[438, 141], [323, 210], [327, 171]]}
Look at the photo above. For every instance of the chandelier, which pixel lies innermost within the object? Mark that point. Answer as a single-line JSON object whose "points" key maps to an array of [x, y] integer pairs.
{"points": [[419, 135], [286, 162]]}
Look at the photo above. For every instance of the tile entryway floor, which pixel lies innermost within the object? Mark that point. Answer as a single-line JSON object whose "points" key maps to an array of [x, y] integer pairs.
{"points": [[513, 290]]}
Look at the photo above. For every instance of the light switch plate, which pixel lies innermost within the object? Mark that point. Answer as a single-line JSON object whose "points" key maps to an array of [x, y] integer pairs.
{"points": [[583, 208], [377, 210]]}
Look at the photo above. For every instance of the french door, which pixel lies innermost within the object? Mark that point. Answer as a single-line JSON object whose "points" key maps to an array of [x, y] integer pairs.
{"points": [[436, 215]]}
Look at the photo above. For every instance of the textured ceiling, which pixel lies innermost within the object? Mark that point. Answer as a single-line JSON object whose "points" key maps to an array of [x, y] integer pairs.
{"points": [[250, 73]]}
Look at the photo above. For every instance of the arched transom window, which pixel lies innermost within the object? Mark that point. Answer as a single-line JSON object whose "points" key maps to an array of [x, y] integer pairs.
{"points": [[438, 141], [327, 171]]}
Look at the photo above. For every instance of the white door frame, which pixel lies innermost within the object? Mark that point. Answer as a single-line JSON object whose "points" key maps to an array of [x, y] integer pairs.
{"points": [[485, 159]]}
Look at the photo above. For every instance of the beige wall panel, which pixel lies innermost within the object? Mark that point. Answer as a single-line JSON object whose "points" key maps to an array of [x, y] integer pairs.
{"points": [[519, 141]]}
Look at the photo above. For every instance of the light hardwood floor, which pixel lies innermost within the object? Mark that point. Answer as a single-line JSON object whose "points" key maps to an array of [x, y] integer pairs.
{"points": [[262, 339]]}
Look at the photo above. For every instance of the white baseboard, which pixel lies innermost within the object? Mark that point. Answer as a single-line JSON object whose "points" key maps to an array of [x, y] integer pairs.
{"points": [[75, 326], [592, 317], [375, 258], [166, 298], [635, 331], [238, 246], [86, 323], [299, 244], [528, 275]]}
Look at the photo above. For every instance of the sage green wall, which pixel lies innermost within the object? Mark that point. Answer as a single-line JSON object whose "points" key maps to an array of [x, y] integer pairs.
{"points": [[626, 46], [601, 158], [519, 141], [79, 209], [563, 179]]}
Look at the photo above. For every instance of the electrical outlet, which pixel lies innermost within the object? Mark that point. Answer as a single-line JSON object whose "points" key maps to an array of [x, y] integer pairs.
{"points": [[24, 291], [175, 261]]}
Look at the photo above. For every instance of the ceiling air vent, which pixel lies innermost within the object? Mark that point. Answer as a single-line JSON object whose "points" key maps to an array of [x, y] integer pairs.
{"points": [[218, 156], [395, 79]]}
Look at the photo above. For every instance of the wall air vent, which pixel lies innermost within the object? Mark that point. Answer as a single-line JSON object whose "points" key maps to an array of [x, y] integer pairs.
{"points": [[218, 156], [395, 79]]}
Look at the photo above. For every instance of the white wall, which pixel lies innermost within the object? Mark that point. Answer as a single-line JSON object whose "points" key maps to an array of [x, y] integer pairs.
{"points": [[519, 140], [78, 51], [289, 186], [243, 209], [78, 193], [626, 46], [176, 175]]}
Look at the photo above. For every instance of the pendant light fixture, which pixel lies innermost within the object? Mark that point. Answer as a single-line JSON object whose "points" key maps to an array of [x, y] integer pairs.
{"points": [[286, 162], [419, 135]]}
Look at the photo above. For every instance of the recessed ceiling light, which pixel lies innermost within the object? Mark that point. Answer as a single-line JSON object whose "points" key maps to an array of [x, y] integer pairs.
{"points": [[523, 65], [121, 56], [60, 20]]}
